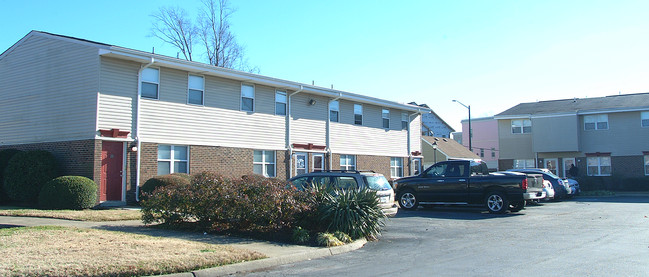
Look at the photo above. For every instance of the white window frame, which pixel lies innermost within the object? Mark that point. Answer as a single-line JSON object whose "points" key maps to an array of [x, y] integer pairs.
{"points": [[493, 152], [595, 119], [417, 162], [644, 119], [172, 159], [264, 163], [317, 156], [646, 164], [481, 152], [278, 94], [521, 124], [405, 121], [526, 163], [242, 97], [347, 166], [396, 167], [599, 165], [201, 89], [385, 116], [357, 108], [155, 82], [334, 106], [305, 166]]}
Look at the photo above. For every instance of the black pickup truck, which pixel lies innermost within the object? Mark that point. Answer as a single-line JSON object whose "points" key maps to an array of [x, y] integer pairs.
{"points": [[464, 182]]}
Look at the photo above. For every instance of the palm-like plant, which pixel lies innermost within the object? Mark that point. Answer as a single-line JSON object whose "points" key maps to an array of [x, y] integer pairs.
{"points": [[354, 212]]}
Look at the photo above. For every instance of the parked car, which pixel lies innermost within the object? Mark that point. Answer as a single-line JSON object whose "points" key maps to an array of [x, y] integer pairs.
{"points": [[549, 191], [351, 179], [561, 188], [535, 188], [462, 182], [574, 186]]}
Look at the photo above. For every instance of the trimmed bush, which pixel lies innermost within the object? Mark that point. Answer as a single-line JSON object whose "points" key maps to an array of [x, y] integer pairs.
{"points": [[301, 236], [68, 192], [614, 183], [163, 180], [353, 212], [5, 156], [27, 172]]}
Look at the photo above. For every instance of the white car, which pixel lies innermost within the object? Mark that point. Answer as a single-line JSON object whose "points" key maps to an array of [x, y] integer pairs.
{"points": [[574, 186], [549, 191]]}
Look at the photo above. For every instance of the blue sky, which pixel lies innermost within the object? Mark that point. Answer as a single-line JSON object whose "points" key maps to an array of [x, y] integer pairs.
{"points": [[491, 55]]}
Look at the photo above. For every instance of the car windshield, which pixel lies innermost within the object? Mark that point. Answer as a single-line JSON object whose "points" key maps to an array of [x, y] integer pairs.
{"points": [[377, 182], [552, 175]]}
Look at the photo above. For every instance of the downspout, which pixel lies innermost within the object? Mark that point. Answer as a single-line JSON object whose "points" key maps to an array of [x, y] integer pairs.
{"points": [[289, 145], [137, 129], [328, 135]]}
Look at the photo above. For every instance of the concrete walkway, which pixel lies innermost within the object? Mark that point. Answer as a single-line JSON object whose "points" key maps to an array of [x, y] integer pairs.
{"points": [[277, 253]]}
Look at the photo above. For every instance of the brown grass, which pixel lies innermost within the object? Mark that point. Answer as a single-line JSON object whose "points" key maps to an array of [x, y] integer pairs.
{"points": [[64, 251], [82, 215]]}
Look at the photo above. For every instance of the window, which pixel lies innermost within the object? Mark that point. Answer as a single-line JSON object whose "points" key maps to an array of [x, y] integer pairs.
{"points": [[333, 111], [195, 90], [280, 102], [596, 122], [150, 81], [645, 119], [646, 164], [300, 163], [264, 163], [524, 163], [172, 159], [481, 152], [599, 166], [404, 121], [521, 126], [396, 167], [385, 114], [493, 152], [358, 114], [347, 162], [417, 165], [247, 98]]}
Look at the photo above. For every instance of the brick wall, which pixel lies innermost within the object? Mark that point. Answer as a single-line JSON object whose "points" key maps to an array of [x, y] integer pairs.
{"points": [[628, 166]]}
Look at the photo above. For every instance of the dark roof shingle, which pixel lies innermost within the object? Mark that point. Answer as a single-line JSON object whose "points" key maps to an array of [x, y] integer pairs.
{"points": [[613, 102]]}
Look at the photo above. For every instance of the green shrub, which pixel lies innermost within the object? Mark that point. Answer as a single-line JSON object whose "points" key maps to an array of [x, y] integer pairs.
{"points": [[5, 156], [328, 240], [300, 236], [613, 183], [68, 192], [345, 238], [354, 212], [27, 172], [163, 180]]}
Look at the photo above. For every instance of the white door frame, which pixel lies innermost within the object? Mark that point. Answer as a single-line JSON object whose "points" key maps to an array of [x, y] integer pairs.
{"points": [[306, 162], [556, 163], [314, 155], [566, 168]]}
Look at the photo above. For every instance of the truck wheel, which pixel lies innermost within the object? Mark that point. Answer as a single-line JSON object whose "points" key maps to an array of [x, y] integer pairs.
{"points": [[408, 200], [496, 202]]}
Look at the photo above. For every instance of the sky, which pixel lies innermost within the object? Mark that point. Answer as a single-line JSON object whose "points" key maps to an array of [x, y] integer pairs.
{"points": [[490, 55]]}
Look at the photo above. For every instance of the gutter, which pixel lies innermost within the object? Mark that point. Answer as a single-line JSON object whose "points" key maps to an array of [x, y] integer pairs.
{"points": [[137, 128], [328, 133], [289, 145]]}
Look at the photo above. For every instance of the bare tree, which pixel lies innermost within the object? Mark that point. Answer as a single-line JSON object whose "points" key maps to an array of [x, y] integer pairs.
{"points": [[174, 27], [211, 31]]}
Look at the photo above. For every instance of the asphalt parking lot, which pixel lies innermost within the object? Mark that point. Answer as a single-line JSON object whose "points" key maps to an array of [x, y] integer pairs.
{"points": [[607, 236]]}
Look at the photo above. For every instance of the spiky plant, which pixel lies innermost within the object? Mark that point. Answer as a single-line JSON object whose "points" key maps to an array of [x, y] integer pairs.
{"points": [[353, 212]]}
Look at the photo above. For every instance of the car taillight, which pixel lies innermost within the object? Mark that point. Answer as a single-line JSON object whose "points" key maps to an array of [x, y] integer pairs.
{"points": [[524, 184]]}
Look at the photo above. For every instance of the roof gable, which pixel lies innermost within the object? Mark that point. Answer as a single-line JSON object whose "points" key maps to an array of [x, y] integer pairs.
{"points": [[450, 148], [580, 105]]}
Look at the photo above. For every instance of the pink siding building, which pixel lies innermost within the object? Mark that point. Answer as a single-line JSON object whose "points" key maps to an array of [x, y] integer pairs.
{"points": [[485, 139]]}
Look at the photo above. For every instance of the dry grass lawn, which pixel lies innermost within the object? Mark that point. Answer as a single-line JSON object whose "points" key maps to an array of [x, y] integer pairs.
{"points": [[63, 251], [83, 215]]}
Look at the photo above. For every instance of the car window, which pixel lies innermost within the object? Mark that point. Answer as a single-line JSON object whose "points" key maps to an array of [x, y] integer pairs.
{"points": [[454, 170], [345, 182], [300, 183], [436, 170], [377, 182], [322, 181]]}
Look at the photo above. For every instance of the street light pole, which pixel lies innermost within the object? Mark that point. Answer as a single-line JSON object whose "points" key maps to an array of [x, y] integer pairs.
{"points": [[435, 151], [470, 134]]}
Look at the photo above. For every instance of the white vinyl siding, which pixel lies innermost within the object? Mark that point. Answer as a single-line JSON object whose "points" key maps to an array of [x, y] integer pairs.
{"points": [[521, 164], [334, 111], [599, 166], [173, 159], [596, 122], [150, 86], [396, 167], [521, 126], [247, 98], [358, 114], [347, 162], [118, 94], [195, 89], [44, 96], [644, 119], [308, 122], [264, 163], [385, 115], [280, 102]]}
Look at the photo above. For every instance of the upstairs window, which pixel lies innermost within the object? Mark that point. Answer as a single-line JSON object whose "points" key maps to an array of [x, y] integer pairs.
{"points": [[150, 82], [481, 152], [334, 110], [358, 114], [385, 114], [404, 121], [280, 102], [247, 98], [347, 162], [172, 159], [599, 166], [596, 122], [645, 119], [195, 90], [264, 163], [521, 126], [493, 152], [396, 167]]}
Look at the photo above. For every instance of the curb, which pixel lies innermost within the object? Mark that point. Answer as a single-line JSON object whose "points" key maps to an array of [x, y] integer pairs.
{"points": [[274, 261]]}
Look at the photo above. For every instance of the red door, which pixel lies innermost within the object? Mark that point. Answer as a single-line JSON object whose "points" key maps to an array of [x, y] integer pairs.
{"points": [[112, 154]]}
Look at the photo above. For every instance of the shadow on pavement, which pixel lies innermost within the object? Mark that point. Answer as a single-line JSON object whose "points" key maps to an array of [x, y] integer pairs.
{"points": [[454, 212], [612, 199]]}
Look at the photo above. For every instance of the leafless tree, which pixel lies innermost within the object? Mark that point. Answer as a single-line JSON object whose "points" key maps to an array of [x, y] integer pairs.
{"points": [[211, 31], [173, 26]]}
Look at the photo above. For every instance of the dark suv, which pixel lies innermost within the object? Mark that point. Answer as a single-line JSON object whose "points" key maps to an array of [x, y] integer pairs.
{"points": [[351, 179]]}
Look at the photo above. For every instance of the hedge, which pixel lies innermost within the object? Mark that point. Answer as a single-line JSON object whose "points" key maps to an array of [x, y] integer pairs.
{"points": [[27, 172], [68, 192]]}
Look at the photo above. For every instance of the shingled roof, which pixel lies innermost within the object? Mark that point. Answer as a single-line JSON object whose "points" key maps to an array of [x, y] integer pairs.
{"points": [[451, 148], [579, 105]]}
